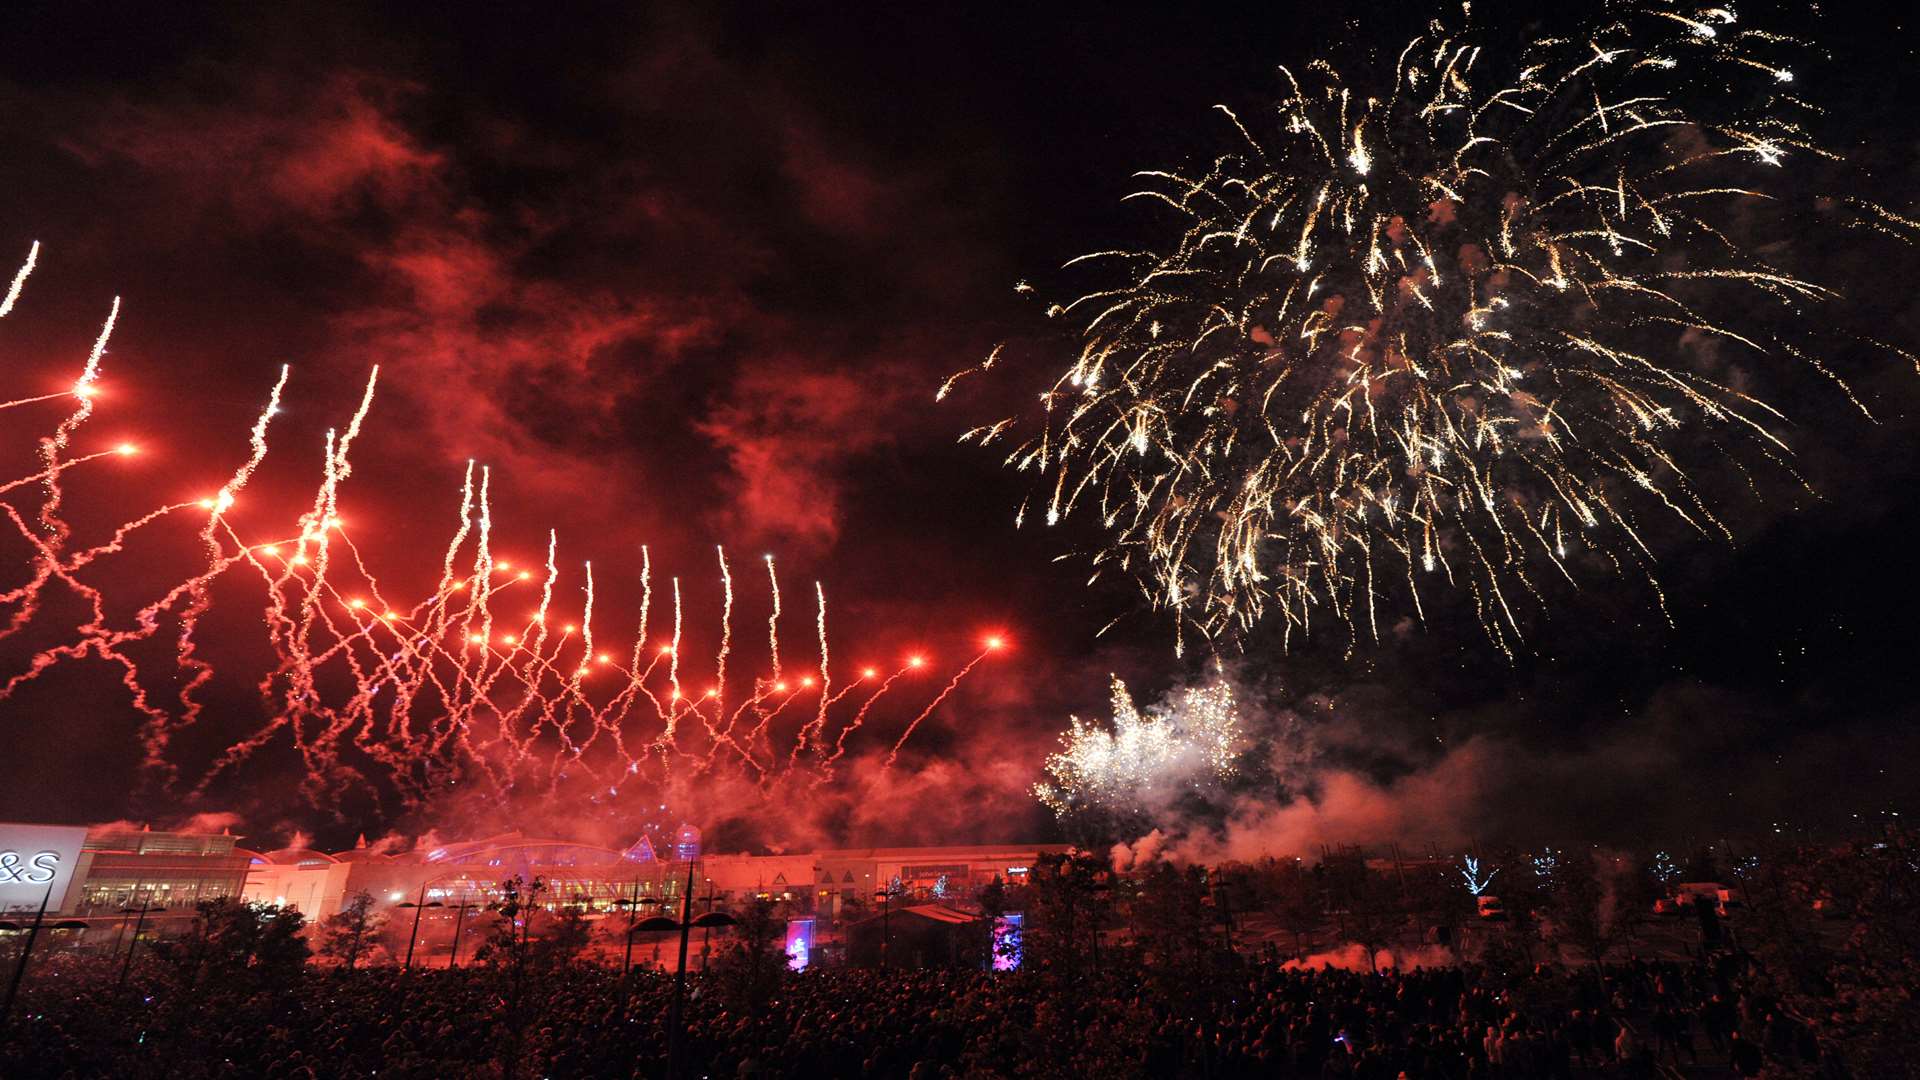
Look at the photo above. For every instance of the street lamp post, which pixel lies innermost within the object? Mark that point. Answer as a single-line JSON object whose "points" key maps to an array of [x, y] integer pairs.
{"points": [[460, 916], [20, 968], [26, 950], [633, 916], [418, 907], [139, 923], [885, 896], [120, 934], [680, 977], [686, 924], [1102, 891], [706, 934], [633, 907]]}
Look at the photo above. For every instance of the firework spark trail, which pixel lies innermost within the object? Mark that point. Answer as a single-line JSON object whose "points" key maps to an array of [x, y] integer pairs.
{"points": [[673, 646], [49, 474], [117, 542], [726, 623], [945, 691], [90, 633], [586, 623], [447, 580], [15, 403], [539, 627], [826, 672], [623, 703], [13, 294], [482, 569], [646, 601], [860, 717], [762, 691], [813, 733], [1439, 317], [366, 688], [773, 620], [197, 590], [317, 526], [51, 524], [810, 732]]}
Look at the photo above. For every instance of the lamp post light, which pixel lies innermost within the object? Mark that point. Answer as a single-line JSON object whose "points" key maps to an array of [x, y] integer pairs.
{"points": [[633, 906], [706, 935], [418, 907]]}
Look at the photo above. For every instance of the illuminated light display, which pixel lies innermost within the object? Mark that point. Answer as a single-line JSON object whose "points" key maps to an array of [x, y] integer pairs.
{"points": [[1007, 949], [799, 947]]}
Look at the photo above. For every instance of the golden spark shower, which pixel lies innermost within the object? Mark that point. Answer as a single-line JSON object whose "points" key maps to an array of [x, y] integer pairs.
{"points": [[1468, 319]]}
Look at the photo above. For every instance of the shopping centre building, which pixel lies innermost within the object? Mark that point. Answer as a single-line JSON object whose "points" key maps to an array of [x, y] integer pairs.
{"points": [[96, 873], [819, 882]]}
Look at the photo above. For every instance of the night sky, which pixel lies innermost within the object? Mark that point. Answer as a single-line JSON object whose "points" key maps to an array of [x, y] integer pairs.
{"points": [[686, 275]]}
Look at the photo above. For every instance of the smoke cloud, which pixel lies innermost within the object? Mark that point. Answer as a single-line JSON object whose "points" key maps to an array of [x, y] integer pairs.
{"points": [[1695, 764]]}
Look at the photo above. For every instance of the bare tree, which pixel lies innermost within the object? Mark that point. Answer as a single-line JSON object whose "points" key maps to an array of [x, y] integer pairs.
{"points": [[1288, 891], [347, 934]]}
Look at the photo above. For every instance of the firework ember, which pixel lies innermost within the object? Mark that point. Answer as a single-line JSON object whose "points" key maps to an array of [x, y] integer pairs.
{"points": [[1145, 758], [1433, 323], [415, 695]]}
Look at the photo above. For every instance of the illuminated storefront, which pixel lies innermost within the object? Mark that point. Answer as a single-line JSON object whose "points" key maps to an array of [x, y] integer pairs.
{"points": [[99, 874], [805, 883], [94, 873]]}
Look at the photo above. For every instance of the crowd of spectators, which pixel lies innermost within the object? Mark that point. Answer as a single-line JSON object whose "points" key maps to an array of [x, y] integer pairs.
{"points": [[1819, 981], [1253, 1018]]}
